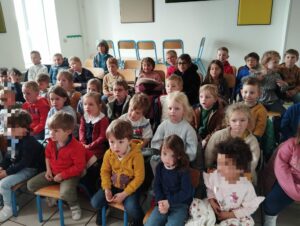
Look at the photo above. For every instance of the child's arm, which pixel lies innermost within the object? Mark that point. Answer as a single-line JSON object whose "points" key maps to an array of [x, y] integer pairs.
{"points": [[191, 143], [43, 109], [261, 122], [106, 171], [105, 88], [158, 137], [82, 130], [147, 134], [48, 174]]}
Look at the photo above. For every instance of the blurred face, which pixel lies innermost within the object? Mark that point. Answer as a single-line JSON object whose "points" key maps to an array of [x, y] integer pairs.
{"points": [[273, 63], [226, 167], [75, 66], [58, 60], [147, 67], [7, 99], [119, 93], [290, 60], [222, 56], [172, 86], [118, 146], [251, 62], [60, 135], [101, 49], [238, 123], [182, 65], [171, 59], [30, 95], [167, 157], [175, 112], [57, 101], [64, 83], [215, 71], [207, 100], [17, 132], [112, 68], [3, 78], [91, 107], [13, 77], [135, 114], [92, 88], [250, 94], [35, 58], [43, 85]]}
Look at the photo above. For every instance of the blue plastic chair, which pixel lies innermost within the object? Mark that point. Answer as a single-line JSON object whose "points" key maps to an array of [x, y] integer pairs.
{"points": [[198, 59], [119, 206], [147, 45], [111, 46], [126, 45], [172, 44]]}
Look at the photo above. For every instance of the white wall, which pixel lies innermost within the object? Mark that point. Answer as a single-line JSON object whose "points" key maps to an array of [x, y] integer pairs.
{"points": [[190, 21], [10, 45]]}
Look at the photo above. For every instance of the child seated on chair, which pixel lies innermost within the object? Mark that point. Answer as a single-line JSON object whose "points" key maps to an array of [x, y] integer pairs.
{"points": [[15, 78], [43, 81], [3, 76], [172, 185], [59, 64], [23, 159], [122, 173], [120, 104], [102, 56], [223, 55], [229, 192], [37, 68], [110, 78], [171, 57], [65, 161]]}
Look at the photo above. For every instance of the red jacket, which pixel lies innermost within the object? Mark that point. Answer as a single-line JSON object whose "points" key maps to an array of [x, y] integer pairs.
{"points": [[38, 111], [69, 160], [99, 140]]}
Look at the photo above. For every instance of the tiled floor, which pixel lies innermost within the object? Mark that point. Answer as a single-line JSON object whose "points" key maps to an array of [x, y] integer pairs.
{"points": [[28, 215]]}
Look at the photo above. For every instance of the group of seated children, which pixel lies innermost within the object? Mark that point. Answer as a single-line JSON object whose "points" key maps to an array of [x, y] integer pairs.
{"points": [[98, 141]]}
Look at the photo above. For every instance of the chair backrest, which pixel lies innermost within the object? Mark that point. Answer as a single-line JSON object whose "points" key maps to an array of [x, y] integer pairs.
{"points": [[129, 75], [146, 45], [132, 64], [111, 47], [201, 47], [127, 45], [88, 62], [161, 67], [175, 44], [96, 71]]}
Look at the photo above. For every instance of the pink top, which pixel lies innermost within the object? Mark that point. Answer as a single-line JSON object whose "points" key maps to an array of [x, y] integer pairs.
{"points": [[170, 70], [239, 197], [287, 168], [152, 75]]}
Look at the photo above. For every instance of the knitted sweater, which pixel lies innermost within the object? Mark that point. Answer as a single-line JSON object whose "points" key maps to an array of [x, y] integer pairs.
{"points": [[35, 70], [289, 122], [108, 82], [291, 76], [259, 120]]}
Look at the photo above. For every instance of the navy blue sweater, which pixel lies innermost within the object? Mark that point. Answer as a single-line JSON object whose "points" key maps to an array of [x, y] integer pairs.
{"points": [[289, 122]]}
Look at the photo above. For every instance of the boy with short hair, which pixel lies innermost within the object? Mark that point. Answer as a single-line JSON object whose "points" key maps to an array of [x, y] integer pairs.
{"points": [[223, 55], [23, 159], [65, 161], [59, 64], [171, 56], [251, 93], [38, 108], [37, 67], [3, 76], [120, 104], [15, 77], [43, 81], [122, 172], [290, 73], [138, 106]]}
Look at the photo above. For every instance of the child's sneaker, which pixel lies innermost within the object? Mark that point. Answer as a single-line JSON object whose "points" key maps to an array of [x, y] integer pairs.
{"points": [[76, 212], [5, 213]]}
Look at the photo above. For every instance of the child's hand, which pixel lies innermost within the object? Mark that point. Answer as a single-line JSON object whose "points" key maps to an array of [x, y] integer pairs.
{"points": [[108, 195], [163, 206], [58, 178], [77, 85], [223, 215], [86, 146], [49, 175], [215, 205], [119, 197], [281, 83], [3, 174], [291, 93]]}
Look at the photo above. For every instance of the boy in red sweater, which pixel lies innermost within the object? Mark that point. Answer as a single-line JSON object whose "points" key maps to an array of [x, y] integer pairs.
{"points": [[65, 161], [37, 107]]}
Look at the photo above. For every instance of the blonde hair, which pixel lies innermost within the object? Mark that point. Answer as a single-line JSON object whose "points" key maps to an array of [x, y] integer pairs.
{"points": [[112, 60], [171, 52], [182, 99], [95, 96], [140, 101], [75, 59], [96, 82], [241, 107], [212, 89], [176, 79], [31, 85], [269, 55]]}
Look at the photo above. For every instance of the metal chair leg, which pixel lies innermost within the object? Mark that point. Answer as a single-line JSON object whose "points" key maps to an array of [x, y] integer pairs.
{"points": [[14, 203], [61, 212], [39, 207]]}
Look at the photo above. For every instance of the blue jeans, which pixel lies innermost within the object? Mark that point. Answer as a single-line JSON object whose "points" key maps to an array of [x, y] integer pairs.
{"points": [[7, 182], [276, 200], [131, 204], [175, 217]]}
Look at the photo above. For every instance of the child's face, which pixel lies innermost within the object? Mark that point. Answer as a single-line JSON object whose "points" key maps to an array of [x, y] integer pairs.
{"points": [[13, 77], [75, 66], [182, 65], [64, 83], [60, 135], [227, 168], [167, 157], [57, 101], [175, 111], [238, 122], [91, 107], [251, 62], [120, 93], [112, 68], [43, 85], [250, 94], [147, 67], [35, 58], [215, 71], [30, 95], [118, 146], [172, 86], [3, 78], [17, 132], [92, 88], [101, 49], [207, 100], [7, 99], [290, 60], [171, 59], [135, 114], [58, 60], [273, 63], [222, 55]]}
